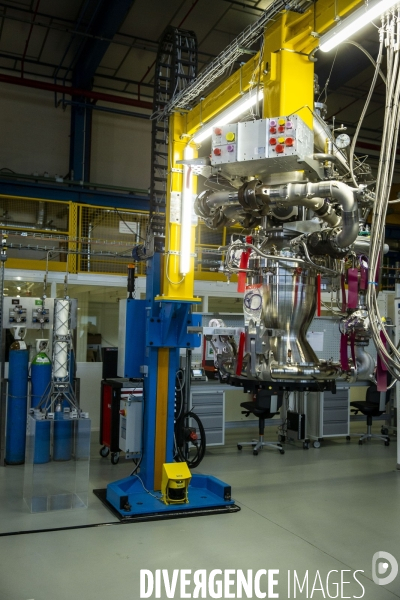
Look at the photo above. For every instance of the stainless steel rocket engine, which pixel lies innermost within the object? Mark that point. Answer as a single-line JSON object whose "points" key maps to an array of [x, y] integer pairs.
{"points": [[304, 222]]}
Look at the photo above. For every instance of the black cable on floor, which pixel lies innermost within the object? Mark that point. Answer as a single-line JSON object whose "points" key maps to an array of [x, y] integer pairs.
{"points": [[29, 531]]}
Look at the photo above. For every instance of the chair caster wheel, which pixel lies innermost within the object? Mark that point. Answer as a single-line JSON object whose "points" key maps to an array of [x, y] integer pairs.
{"points": [[282, 451], [317, 444], [114, 458], [348, 438], [239, 447], [384, 431], [306, 445], [387, 443], [360, 442], [255, 452], [104, 451]]}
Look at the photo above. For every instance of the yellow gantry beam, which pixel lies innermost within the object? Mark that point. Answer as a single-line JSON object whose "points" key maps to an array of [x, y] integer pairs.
{"points": [[175, 286], [287, 75], [284, 70]]}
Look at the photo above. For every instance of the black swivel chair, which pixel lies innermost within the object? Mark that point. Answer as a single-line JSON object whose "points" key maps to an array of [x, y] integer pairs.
{"points": [[374, 406], [264, 406]]}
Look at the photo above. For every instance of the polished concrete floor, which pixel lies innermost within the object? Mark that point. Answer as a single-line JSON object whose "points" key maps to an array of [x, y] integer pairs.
{"points": [[326, 509]]}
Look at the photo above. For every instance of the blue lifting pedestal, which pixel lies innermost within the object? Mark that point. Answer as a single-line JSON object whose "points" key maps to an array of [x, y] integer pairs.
{"points": [[150, 327], [129, 498]]}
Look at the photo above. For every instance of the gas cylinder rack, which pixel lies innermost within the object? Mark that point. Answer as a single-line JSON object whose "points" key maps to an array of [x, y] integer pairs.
{"points": [[20, 315]]}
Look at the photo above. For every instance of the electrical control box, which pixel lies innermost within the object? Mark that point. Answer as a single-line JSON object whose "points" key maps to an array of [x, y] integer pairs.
{"points": [[265, 146], [130, 423], [224, 144], [252, 140]]}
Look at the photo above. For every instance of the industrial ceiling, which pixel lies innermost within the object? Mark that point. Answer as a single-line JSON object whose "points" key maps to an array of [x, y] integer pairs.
{"points": [[118, 39]]}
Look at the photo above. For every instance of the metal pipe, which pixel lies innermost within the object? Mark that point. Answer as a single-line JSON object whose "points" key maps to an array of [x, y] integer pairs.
{"points": [[29, 226], [322, 157], [322, 371], [362, 246], [41, 214], [114, 111], [71, 91], [234, 212], [365, 364], [337, 190], [350, 229], [217, 199]]}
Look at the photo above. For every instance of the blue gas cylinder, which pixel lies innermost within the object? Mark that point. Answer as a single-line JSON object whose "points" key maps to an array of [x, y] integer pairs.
{"points": [[17, 404]]}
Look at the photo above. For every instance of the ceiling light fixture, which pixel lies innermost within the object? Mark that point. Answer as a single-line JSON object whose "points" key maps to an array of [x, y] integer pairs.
{"points": [[186, 213], [354, 22], [229, 115]]}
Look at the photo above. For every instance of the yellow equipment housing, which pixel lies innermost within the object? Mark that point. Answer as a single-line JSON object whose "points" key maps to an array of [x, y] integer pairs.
{"points": [[175, 483]]}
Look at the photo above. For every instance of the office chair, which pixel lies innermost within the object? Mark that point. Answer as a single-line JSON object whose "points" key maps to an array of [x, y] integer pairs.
{"points": [[374, 406], [264, 406]]}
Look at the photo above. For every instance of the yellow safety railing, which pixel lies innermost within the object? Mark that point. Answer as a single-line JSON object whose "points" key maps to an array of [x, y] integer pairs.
{"points": [[79, 238]]}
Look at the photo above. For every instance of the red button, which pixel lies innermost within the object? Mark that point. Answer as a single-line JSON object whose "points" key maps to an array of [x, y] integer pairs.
{"points": [[272, 141], [218, 131], [289, 141], [272, 129], [281, 129], [279, 148], [217, 151]]}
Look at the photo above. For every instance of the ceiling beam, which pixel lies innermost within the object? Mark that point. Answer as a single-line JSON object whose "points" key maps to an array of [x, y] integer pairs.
{"points": [[106, 24], [65, 89]]}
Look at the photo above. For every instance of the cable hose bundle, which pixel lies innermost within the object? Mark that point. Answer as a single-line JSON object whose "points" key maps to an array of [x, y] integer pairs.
{"points": [[389, 36], [181, 419], [201, 447]]}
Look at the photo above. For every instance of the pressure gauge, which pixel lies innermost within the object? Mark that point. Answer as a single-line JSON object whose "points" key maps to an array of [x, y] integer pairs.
{"points": [[343, 140]]}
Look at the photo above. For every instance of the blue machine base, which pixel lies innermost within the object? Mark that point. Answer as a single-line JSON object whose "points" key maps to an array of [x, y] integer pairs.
{"points": [[129, 499]]}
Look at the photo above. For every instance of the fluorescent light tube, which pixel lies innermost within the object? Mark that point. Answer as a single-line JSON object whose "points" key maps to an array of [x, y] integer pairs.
{"points": [[229, 115], [353, 23], [186, 213]]}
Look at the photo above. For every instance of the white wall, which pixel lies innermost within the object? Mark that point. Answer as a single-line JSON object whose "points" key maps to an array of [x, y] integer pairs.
{"points": [[34, 134], [121, 150], [35, 139]]}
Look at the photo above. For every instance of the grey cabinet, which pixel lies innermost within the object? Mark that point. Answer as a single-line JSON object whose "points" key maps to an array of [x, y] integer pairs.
{"points": [[328, 414], [209, 405]]}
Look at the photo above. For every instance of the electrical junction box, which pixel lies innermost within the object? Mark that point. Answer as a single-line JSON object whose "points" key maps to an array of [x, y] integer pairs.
{"points": [[265, 146], [253, 140], [130, 424], [224, 144]]}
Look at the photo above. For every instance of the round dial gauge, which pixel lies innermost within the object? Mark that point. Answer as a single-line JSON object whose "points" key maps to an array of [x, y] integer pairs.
{"points": [[342, 140]]}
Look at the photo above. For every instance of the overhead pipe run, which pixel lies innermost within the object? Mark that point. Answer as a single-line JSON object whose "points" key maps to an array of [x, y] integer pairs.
{"points": [[114, 111], [252, 197], [71, 91]]}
